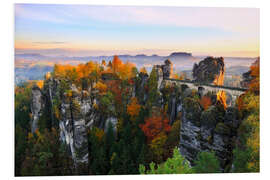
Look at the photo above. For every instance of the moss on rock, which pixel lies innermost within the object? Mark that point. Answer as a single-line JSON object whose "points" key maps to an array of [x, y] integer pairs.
{"points": [[221, 128]]}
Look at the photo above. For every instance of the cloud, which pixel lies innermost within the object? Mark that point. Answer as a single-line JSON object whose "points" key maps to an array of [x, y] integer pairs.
{"points": [[230, 19], [52, 42]]}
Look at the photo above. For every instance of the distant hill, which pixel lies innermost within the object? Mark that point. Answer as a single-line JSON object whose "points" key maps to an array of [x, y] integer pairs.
{"points": [[180, 54]]}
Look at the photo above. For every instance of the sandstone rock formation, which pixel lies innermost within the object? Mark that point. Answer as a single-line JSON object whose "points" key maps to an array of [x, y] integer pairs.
{"points": [[201, 130], [210, 70], [36, 107]]}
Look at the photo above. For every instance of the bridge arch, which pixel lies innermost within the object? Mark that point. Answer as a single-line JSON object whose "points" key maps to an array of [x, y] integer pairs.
{"points": [[231, 92]]}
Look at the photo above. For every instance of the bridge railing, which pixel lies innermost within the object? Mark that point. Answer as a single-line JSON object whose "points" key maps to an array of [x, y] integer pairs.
{"points": [[209, 85]]}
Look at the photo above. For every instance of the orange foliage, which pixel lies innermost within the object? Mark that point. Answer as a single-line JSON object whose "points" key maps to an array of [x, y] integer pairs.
{"points": [[143, 70], [48, 75], [60, 71], [255, 73], [40, 83], [115, 87], [205, 102], [180, 76], [133, 107], [175, 76], [116, 64], [240, 103], [123, 70], [99, 133], [103, 63], [82, 70], [154, 126]]}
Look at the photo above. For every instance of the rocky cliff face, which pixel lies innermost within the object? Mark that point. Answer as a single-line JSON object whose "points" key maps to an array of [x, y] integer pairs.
{"points": [[209, 130], [247, 76], [76, 114], [36, 107], [73, 129], [212, 129]]}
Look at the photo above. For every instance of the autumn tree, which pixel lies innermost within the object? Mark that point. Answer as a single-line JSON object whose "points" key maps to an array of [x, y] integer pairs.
{"points": [[255, 74], [205, 102], [133, 107], [143, 70], [247, 151], [154, 126], [101, 87]]}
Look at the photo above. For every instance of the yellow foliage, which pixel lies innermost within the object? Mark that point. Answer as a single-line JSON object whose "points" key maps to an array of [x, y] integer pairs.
{"points": [[157, 145], [101, 87], [69, 93], [56, 112], [95, 106], [30, 136], [61, 71], [81, 70], [119, 124]]}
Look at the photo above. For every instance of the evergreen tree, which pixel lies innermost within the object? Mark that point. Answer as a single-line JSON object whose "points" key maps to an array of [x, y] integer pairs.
{"points": [[206, 163]]}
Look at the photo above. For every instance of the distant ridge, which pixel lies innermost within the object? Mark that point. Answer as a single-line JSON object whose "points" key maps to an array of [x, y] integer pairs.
{"points": [[175, 54], [40, 56]]}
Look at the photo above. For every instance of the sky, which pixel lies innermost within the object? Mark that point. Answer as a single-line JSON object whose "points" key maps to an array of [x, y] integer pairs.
{"points": [[87, 30]]}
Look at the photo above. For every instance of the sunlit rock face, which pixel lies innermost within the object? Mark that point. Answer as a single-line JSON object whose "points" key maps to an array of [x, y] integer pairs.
{"points": [[210, 70], [221, 97]]}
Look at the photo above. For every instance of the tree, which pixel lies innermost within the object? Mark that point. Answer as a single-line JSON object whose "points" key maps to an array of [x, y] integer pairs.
{"points": [[44, 155], [152, 88], [20, 147], [154, 126], [206, 163], [143, 70], [247, 151], [205, 102], [101, 87], [157, 146], [175, 165], [98, 162], [255, 74], [133, 107]]}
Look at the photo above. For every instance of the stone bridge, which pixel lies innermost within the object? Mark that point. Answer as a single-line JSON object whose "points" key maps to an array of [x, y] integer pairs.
{"points": [[232, 92]]}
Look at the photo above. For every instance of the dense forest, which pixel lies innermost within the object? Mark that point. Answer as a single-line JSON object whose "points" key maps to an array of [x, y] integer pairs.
{"points": [[111, 118]]}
